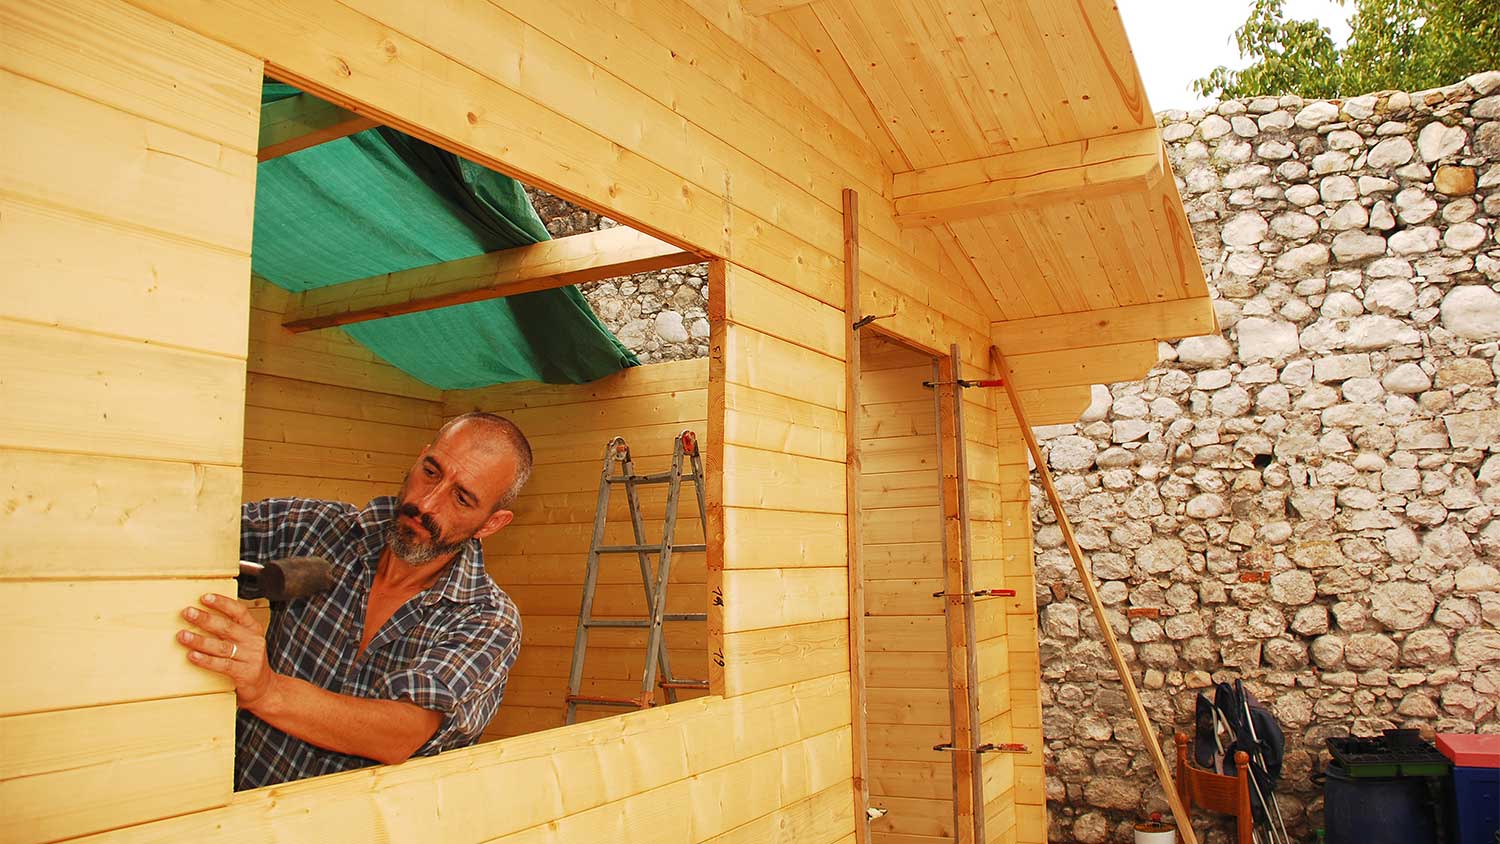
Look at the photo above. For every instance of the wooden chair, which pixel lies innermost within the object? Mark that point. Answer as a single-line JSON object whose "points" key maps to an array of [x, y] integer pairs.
{"points": [[1217, 792]]}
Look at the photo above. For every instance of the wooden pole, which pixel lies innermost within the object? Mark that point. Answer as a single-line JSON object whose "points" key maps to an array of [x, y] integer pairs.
{"points": [[858, 705], [1148, 734], [968, 813]]}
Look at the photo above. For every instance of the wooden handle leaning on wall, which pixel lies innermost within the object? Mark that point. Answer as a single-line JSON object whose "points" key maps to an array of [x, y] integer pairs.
{"points": [[1148, 734]]}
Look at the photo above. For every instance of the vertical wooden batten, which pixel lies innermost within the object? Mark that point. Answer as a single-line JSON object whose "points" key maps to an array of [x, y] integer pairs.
{"points": [[857, 696], [713, 458], [968, 802]]}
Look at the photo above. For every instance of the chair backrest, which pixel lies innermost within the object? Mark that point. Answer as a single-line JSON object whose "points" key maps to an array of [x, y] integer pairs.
{"points": [[1216, 792]]}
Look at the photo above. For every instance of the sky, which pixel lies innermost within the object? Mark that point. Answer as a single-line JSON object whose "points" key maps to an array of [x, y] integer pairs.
{"points": [[1176, 42]]}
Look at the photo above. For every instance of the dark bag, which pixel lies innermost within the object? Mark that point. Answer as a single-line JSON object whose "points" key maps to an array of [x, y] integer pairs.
{"points": [[1235, 721]]}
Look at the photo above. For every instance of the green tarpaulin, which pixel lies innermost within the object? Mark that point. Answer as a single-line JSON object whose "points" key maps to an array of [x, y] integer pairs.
{"points": [[381, 201]]}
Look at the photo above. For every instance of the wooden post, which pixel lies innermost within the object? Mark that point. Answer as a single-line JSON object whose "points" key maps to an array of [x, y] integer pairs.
{"points": [[1148, 734], [968, 806], [857, 696]]}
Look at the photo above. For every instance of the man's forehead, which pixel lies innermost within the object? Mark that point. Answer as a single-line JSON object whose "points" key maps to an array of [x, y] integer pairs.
{"points": [[475, 461]]}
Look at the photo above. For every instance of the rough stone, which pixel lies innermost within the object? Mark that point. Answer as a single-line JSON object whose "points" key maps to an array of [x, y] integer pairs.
{"points": [[1437, 140], [1454, 181], [1353, 246], [1389, 153], [1402, 606], [1472, 312], [1315, 114]]}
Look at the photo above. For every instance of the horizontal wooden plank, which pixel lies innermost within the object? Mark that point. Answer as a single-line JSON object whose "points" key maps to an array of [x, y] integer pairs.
{"points": [[915, 816], [77, 771], [776, 539], [550, 264], [113, 642], [85, 393], [930, 779], [908, 742], [70, 269], [905, 633], [1097, 365], [288, 426], [779, 656], [1151, 321], [1016, 181], [776, 423], [133, 61], [259, 486], [754, 301], [276, 393], [760, 598], [651, 379], [763, 362], [774, 481], [67, 151], [822, 818], [73, 516], [544, 776]]}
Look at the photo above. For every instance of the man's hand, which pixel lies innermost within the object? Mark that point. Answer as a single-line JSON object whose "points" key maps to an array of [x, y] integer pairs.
{"points": [[232, 643]]}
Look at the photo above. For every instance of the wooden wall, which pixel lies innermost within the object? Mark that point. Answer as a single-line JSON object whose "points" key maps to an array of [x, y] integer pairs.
{"points": [[1010, 563], [539, 559], [707, 132], [901, 533], [127, 174], [325, 417]]}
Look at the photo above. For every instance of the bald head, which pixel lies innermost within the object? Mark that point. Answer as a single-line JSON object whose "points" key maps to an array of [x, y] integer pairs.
{"points": [[495, 434]]}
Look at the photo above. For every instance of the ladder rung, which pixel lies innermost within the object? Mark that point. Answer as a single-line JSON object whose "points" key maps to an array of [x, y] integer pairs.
{"points": [[683, 684], [645, 622], [657, 478], [650, 549], [609, 701]]}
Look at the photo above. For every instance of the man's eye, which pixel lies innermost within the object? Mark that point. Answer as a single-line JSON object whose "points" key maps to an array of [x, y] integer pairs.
{"points": [[429, 471]]}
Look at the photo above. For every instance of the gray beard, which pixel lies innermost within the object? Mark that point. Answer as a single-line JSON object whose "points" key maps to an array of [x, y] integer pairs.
{"points": [[413, 551]]}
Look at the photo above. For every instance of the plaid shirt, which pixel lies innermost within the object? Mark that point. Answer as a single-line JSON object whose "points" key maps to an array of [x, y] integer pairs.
{"points": [[448, 649]]}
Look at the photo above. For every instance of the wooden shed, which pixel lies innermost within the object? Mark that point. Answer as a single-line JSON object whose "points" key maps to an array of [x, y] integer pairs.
{"points": [[948, 174]]}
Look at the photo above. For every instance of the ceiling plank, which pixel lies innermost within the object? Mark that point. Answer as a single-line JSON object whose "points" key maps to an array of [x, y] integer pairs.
{"points": [[296, 123], [547, 265], [1016, 181], [1086, 329], [1074, 367], [766, 7]]}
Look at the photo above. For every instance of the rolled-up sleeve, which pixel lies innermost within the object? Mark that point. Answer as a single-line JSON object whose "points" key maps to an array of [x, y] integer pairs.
{"points": [[462, 675]]}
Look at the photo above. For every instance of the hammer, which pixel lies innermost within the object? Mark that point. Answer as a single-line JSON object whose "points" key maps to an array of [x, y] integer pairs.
{"points": [[286, 579]]}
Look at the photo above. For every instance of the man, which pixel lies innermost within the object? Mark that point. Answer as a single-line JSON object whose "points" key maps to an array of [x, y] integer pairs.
{"points": [[408, 653]]}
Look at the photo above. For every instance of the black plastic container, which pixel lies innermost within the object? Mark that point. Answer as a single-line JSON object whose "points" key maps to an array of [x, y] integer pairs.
{"points": [[1381, 810]]}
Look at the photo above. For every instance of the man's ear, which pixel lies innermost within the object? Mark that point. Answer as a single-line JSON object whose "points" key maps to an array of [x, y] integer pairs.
{"points": [[496, 521]]}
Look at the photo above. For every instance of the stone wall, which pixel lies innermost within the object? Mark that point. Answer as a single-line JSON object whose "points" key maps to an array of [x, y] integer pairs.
{"points": [[1307, 503], [658, 315]]}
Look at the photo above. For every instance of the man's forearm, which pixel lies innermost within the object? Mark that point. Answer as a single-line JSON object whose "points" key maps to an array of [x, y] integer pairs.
{"points": [[388, 731]]}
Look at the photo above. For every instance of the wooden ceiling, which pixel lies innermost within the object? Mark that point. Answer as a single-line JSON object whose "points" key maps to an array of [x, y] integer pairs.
{"points": [[1019, 133]]}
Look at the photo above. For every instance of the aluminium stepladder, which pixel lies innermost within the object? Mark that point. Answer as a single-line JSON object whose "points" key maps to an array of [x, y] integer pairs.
{"points": [[617, 455]]}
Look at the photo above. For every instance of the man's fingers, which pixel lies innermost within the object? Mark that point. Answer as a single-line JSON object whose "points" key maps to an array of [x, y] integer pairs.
{"points": [[236, 611], [206, 646], [210, 622], [212, 663]]}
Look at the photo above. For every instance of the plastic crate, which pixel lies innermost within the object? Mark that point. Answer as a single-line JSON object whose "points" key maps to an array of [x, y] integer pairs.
{"points": [[1397, 753], [1476, 785]]}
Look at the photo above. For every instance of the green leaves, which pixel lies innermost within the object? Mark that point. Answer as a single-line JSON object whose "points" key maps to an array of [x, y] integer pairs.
{"points": [[1404, 45]]}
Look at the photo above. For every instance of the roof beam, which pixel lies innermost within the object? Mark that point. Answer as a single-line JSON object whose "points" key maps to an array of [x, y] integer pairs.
{"points": [[296, 123], [526, 269], [1015, 181], [1168, 320]]}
